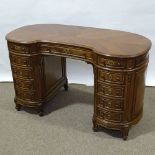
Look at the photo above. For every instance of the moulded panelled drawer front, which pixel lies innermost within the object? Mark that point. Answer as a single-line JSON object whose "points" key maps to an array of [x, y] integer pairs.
{"points": [[112, 62], [142, 59], [26, 95], [111, 76], [17, 48], [26, 73], [108, 115], [20, 60], [66, 50], [25, 84], [115, 104], [80, 52], [113, 91]]}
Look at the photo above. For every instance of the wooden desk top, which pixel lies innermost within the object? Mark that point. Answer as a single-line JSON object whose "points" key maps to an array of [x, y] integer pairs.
{"points": [[102, 41]]}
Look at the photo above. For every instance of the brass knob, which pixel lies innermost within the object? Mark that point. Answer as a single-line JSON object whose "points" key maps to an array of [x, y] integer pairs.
{"points": [[108, 116], [66, 50], [109, 103]]}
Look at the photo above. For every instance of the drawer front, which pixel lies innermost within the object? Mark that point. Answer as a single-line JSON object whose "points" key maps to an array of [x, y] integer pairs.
{"points": [[112, 62], [26, 73], [77, 52], [109, 116], [18, 48], [113, 91], [114, 104], [21, 48], [20, 61], [110, 76], [68, 51], [24, 84], [142, 59], [26, 95]]}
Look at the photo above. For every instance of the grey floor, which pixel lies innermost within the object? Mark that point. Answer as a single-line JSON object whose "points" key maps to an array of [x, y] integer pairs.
{"points": [[66, 129]]}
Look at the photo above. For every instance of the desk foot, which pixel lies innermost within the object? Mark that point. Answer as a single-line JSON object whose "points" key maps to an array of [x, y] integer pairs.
{"points": [[66, 85], [18, 107], [41, 111], [95, 127], [125, 132]]}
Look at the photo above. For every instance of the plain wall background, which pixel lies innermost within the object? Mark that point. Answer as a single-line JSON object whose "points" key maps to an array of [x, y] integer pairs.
{"points": [[136, 16]]}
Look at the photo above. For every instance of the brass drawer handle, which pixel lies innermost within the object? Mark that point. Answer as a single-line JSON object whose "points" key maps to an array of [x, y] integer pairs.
{"points": [[66, 50], [108, 116], [109, 103]]}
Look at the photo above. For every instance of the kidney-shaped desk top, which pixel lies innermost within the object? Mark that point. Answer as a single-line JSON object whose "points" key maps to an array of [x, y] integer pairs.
{"points": [[102, 41]]}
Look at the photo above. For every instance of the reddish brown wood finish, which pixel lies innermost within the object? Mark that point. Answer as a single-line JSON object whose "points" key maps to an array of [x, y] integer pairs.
{"points": [[119, 59]]}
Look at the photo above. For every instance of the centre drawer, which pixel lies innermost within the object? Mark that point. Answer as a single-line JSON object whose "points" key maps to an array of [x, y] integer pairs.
{"points": [[74, 51]]}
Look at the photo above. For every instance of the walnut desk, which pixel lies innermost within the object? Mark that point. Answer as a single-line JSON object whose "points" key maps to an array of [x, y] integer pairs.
{"points": [[38, 60]]}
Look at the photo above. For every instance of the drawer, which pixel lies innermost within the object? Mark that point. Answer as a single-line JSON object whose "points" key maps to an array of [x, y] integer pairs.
{"points": [[80, 52], [111, 76], [26, 95], [24, 84], [22, 48], [112, 62], [26, 73], [142, 59], [20, 60], [83, 53], [18, 48], [109, 116], [114, 104], [109, 90]]}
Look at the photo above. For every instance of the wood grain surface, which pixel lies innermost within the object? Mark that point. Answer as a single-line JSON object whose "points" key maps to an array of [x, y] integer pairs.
{"points": [[101, 41]]}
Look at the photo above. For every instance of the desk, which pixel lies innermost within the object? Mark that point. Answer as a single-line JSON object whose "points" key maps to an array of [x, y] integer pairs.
{"points": [[38, 60]]}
